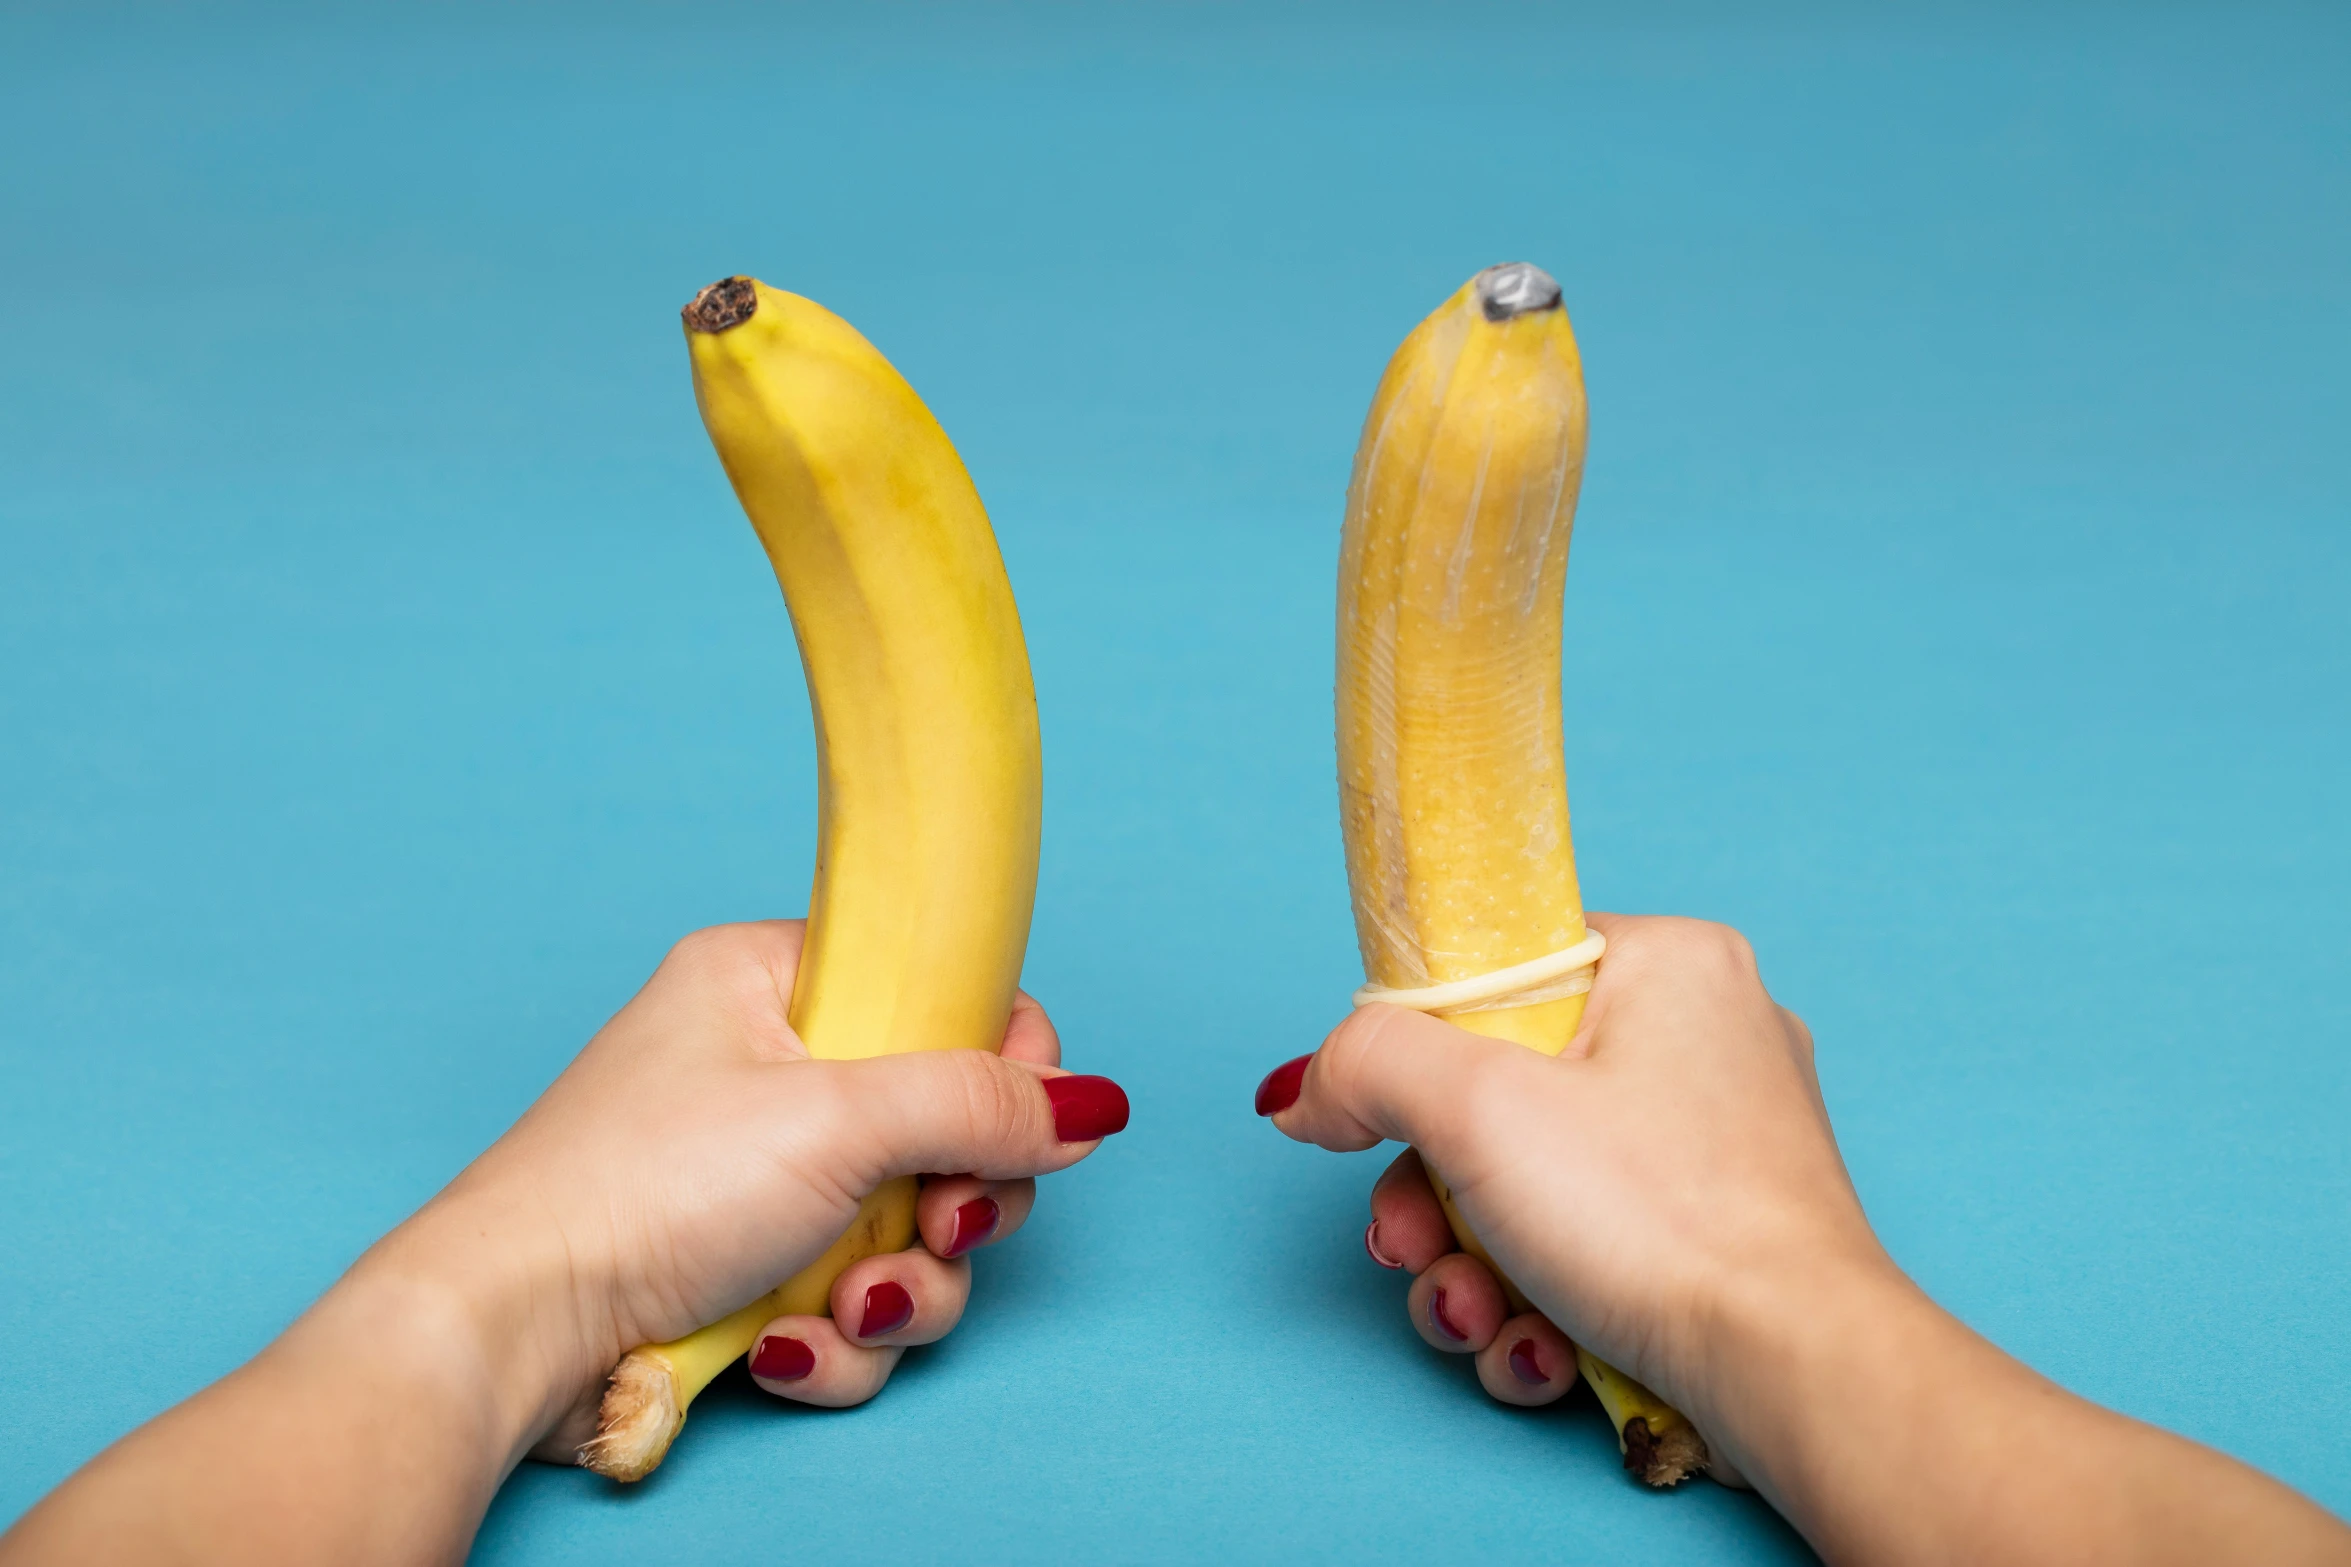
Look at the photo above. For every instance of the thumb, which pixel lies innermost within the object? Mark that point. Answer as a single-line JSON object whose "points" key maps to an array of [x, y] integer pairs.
{"points": [[1388, 1073], [968, 1112]]}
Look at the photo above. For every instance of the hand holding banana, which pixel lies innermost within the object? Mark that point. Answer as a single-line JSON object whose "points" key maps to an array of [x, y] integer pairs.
{"points": [[1452, 788], [929, 780]]}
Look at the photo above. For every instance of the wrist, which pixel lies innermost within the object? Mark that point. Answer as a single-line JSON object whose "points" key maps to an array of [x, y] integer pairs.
{"points": [[1802, 1363], [480, 1315]]}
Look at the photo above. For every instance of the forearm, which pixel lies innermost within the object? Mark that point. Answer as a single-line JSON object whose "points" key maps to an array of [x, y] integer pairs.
{"points": [[1890, 1433], [375, 1430]]}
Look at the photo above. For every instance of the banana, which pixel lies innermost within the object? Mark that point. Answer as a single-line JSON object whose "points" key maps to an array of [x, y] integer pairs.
{"points": [[1452, 778], [929, 778]]}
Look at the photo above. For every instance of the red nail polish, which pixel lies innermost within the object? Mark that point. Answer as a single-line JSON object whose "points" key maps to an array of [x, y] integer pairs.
{"points": [[1371, 1243], [1085, 1108], [1525, 1364], [781, 1359], [975, 1221], [887, 1309], [1442, 1323], [1279, 1091]]}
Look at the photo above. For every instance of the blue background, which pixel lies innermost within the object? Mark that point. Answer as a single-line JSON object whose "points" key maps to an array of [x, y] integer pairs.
{"points": [[386, 678]]}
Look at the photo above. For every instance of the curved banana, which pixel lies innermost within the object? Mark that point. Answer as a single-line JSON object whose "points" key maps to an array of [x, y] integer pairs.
{"points": [[1452, 781], [929, 781]]}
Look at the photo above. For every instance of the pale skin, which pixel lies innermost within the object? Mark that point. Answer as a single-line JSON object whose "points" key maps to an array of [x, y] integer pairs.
{"points": [[687, 1160], [1669, 1193]]}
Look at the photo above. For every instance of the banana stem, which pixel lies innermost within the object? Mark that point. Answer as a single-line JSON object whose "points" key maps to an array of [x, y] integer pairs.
{"points": [[645, 1403], [1659, 1444]]}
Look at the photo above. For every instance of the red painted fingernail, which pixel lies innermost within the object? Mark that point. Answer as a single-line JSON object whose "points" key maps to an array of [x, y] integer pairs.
{"points": [[975, 1221], [1442, 1323], [887, 1309], [781, 1359], [1525, 1364], [1085, 1108], [1279, 1091], [1371, 1243]]}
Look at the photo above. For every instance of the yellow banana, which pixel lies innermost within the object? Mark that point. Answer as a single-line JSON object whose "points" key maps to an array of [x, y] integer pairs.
{"points": [[929, 778], [1452, 782]]}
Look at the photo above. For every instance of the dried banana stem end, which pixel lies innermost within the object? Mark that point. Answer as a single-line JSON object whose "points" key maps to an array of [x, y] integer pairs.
{"points": [[645, 1402], [1661, 1461], [1660, 1446], [641, 1415]]}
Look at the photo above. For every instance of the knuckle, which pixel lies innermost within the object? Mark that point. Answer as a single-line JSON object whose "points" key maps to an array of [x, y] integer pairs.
{"points": [[712, 949], [707, 942], [991, 1103], [1352, 1051], [1030, 1027], [1732, 948], [1799, 1033], [824, 1104], [1706, 946], [839, 1144]]}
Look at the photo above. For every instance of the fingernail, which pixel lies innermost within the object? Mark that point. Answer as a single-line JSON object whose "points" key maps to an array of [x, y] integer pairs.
{"points": [[975, 1221], [781, 1359], [1371, 1243], [1442, 1323], [1085, 1108], [1525, 1364], [887, 1309], [1279, 1091]]}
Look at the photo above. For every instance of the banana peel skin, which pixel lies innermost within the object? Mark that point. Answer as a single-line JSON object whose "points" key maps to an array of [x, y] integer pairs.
{"points": [[929, 782], [1452, 772]]}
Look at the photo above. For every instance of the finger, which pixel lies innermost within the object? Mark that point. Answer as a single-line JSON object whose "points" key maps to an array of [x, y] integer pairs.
{"points": [[969, 1111], [961, 1213], [1029, 1035], [1408, 1228], [1456, 1305], [810, 1361], [1386, 1072], [901, 1298], [1529, 1362]]}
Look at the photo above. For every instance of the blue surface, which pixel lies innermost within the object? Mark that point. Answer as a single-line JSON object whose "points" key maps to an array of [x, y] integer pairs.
{"points": [[386, 678]]}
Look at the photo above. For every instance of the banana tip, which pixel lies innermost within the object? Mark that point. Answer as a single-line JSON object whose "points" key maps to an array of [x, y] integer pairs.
{"points": [[1516, 288], [729, 302]]}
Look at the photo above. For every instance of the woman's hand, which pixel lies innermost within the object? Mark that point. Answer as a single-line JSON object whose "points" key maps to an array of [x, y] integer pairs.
{"points": [[1631, 1187], [690, 1159], [693, 1156], [1668, 1193]]}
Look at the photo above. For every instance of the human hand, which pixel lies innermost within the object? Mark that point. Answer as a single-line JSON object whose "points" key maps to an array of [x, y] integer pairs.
{"points": [[1667, 1191], [1673, 1161], [690, 1158], [693, 1156]]}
